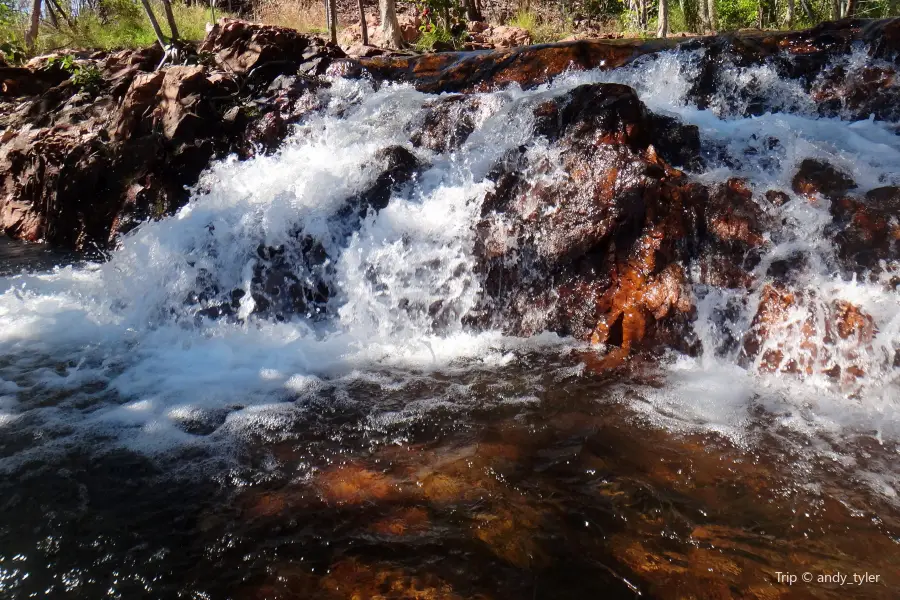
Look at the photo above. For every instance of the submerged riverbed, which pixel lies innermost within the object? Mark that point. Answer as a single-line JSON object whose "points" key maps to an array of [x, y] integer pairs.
{"points": [[301, 386], [538, 480]]}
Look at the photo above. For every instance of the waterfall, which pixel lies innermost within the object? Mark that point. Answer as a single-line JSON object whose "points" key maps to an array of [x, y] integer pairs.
{"points": [[189, 320]]}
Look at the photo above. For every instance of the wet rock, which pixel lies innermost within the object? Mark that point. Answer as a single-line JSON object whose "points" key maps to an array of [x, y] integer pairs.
{"points": [[777, 198], [795, 332], [77, 168], [291, 280], [355, 485], [396, 165], [447, 124], [594, 254], [818, 177], [528, 66], [866, 230]]}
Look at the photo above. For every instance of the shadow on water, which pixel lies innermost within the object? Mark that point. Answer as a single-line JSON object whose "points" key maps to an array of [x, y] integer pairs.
{"points": [[17, 257], [530, 481]]}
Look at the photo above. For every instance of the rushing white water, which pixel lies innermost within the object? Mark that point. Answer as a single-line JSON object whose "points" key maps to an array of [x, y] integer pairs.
{"points": [[115, 350]]}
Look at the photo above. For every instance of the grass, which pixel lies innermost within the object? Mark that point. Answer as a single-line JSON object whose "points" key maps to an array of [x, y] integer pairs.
{"points": [[125, 25], [542, 32], [307, 16]]}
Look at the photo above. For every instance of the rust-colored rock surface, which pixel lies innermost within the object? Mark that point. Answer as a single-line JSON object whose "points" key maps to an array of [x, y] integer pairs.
{"points": [[78, 167]]}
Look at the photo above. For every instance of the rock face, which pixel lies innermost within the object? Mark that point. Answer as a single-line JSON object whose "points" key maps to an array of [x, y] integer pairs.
{"points": [[79, 167], [600, 251]]}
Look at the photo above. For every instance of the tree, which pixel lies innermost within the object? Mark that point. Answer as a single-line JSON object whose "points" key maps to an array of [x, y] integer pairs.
{"points": [[32, 33], [663, 19], [331, 19], [789, 17], [390, 27], [362, 23], [155, 24], [170, 17]]}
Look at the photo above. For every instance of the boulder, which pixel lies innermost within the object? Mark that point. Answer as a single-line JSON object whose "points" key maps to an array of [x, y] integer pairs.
{"points": [[77, 168], [597, 254]]}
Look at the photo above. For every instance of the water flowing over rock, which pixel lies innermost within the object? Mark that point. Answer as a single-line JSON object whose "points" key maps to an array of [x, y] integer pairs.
{"points": [[594, 225]]}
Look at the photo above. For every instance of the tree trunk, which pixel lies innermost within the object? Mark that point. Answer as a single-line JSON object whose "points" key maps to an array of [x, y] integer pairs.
{"points": [[759, 14], [789, 17], [153, 22], [713, 15], [170, 17], [836, 9], [332, 22], [850, 9], [65, 16], [52, 16], [363, 26], [389, 25], [703, 13], [663, 19], [473, 13], [32, 34]]}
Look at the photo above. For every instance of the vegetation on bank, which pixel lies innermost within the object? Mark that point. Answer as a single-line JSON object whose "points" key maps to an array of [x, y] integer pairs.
{"points": [[109, 24], [105, 25]]}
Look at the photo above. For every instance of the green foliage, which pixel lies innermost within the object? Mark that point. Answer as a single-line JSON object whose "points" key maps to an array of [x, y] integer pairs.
{"points": [[737, 14], [86, 78], [12, 52], [434, 36], [112, 25], [441, 13]]}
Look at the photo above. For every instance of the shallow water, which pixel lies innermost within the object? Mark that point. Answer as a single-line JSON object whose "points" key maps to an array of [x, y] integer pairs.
{"points": [[537, 480], [377, 447]]}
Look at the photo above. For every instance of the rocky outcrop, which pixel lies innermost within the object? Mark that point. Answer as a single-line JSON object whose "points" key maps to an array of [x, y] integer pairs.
{"points": [[597, 254], [78, 167]]}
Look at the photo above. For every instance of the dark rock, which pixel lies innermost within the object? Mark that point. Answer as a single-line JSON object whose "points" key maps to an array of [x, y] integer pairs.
{"points": [[78, 168], [447, 124], [866, 230], [818, 177], [595, 255]]}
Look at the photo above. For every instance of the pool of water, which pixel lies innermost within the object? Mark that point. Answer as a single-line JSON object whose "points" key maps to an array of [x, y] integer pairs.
{"points": [[538, 480]]}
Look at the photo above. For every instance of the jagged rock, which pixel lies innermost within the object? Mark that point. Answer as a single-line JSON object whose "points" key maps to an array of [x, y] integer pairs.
{"points": [[793, 332], [78, 168], [447, 124], [396, 166], [351, 35], [501, 36], [595, 254], [818, 177]]}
